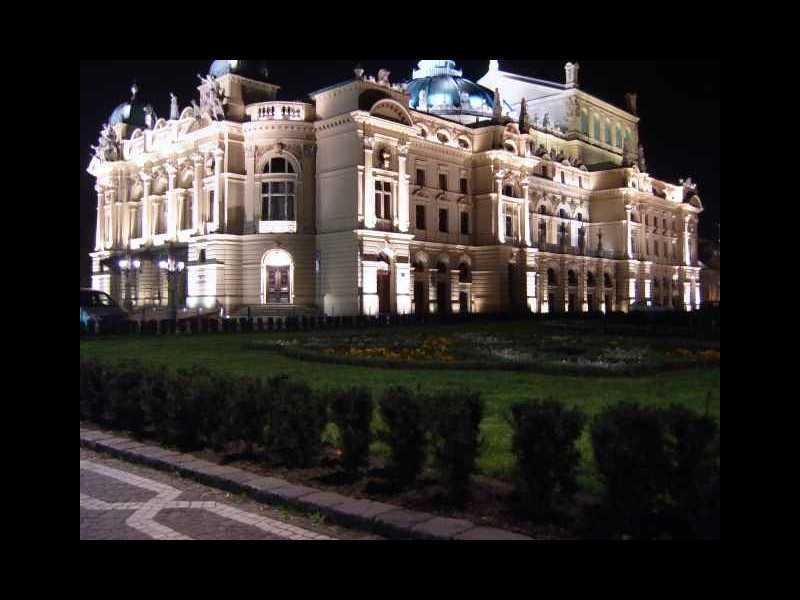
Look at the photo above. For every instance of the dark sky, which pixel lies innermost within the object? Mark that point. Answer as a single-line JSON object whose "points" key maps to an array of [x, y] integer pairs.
{"points": [[678, 106]]}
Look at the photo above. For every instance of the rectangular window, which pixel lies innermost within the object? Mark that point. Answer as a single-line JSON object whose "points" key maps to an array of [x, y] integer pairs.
{"points": [[277, 201], [580, 182], [464, 185], [443, 181], [383, 199], [420, 216], [563, 180], [509, 226], [420, 177], [443, 220], [464, 223], [210, 212]]}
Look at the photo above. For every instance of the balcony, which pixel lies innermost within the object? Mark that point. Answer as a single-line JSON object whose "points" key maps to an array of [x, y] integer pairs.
{"points": [[280, 111], [277, 227]]}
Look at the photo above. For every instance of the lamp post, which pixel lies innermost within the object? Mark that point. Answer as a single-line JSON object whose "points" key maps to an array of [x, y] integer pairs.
{"points": [[172, 270], [128, 267]]}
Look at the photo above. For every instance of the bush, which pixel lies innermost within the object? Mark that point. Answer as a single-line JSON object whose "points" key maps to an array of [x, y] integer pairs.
{"points": [[127, 392], [94, 390], [543, 441], [402, 414], [297, 418], [455, 420], [631, 454], [247, 412], [351, 411]]}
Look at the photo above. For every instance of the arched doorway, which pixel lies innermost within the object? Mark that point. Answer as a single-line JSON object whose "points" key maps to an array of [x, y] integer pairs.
{"points": [[591, 290], [277, 277], [464, 280], [443, 301]]}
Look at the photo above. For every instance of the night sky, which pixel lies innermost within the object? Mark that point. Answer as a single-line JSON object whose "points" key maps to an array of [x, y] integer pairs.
{"points": [[678, 106]]}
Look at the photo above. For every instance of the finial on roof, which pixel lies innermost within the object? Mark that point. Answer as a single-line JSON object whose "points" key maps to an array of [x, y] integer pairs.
{"points": [[572, 74], [359, 71]]}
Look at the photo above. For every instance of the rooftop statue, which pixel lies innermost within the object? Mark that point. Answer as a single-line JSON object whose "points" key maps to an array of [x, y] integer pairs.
{"points": [[174, 113], [107, 148], [383, 76], [212, 98]]}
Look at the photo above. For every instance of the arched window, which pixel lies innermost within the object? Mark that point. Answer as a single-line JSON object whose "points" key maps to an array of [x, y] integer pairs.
{"points": [[579, 216], [590, 279], [552, 279], [278, 190], [562, 233], [608, 134], [543, 210], [619, 138], [562, 213], [585, 123], [508, 190], [572, 278], [596, 129], [442, 267], [607, 280], [582, 238]]}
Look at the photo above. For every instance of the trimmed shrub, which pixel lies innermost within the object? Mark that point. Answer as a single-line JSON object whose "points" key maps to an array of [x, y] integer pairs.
{"points": [[455, 420], [403, 416], [297, 418], [351, 411], [544, 439], [247, 413], [94, 390], [127, 392], [630, 451]]}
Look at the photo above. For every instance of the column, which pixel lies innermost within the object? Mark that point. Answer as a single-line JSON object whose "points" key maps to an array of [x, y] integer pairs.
{"points": [[565, 286], [686, 258], [501, 225], [531, 282], [112, 235], [582, 289], [402, 220], [370, 218], [145, 216], [98, 234], [628, 241], [218, 218], [544, 297], [526, 212], [600, 288], [696, 294], [172, 210], [198, 191], [180, 209]]}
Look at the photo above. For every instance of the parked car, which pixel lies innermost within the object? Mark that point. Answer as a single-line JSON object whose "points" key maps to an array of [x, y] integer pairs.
{"points": [[100, 307]]}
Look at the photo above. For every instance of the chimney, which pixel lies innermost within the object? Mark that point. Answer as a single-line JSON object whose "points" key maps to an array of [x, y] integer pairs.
{"points": [[572, 74], [630, 100]]}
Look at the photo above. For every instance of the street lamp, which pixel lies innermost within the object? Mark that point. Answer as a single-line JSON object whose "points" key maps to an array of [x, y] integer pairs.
{"points": [[172, 269], [128, 266]]}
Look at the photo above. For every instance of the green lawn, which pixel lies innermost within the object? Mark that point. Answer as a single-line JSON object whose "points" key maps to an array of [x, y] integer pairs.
{"points": [[499, 388]]}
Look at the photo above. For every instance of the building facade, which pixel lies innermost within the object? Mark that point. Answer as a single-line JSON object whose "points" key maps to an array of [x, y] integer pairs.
{"points": [[435, 195]]}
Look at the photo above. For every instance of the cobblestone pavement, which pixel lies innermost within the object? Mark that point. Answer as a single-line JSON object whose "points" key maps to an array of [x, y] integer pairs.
{"points": [[123, 501]]}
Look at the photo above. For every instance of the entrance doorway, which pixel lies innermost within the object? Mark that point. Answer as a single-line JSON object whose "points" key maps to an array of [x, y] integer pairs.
{"points": [[384, 285], [277, 273], [442, 297], [463, 302], [278, 285], [420, 298]]}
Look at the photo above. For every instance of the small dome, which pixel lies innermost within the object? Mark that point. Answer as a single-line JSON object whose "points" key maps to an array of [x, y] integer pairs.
{"points": [[252, 69], [133, 112], [439, 88]]}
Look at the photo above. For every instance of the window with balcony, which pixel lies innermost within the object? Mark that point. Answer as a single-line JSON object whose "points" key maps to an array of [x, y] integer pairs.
{"points": [[420, 216], [443, 181], [464, 223], [443, 220], [383, 199], [420, 177]]}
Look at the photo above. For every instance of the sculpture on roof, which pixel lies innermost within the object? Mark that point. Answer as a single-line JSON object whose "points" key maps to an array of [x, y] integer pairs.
{"points": [[383, 76], [148, 116], [174, 113], [524, 124], [107, 148], [689, 187], [641, 161], [212, 97]]}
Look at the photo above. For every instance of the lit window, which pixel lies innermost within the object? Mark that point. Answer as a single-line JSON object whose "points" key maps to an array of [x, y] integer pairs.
{"points": [[383, 199], [277, 201]]}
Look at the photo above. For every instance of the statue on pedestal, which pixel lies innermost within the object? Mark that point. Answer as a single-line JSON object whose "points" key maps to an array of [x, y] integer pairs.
{"points": [[174, 113]]}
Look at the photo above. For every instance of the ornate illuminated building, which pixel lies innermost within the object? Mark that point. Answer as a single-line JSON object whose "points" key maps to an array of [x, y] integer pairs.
{"points": [[439, 194]]}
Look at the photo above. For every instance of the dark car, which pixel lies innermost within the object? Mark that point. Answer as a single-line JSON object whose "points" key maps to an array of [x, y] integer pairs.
{"points": [[99, 307]]}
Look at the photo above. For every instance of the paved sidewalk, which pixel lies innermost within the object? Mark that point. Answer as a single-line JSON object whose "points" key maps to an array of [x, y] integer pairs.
{"points": [[122, 501]]}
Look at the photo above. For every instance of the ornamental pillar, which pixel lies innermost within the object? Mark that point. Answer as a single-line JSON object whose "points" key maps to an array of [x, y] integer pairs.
{"points": [[628, 240], [98, 234], [197, 185], [501, 232], [370, 218], [402, 218], [526, 213], [146, 182], [583, 288], [686, 258], [172, 210], [218, 218]]}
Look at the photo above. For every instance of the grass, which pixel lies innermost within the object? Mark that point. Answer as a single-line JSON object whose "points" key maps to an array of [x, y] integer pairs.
{"points": [[500, 389]]}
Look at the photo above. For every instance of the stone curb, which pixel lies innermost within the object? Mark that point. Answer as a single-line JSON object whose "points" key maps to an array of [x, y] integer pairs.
{"points": [[375, 517]]}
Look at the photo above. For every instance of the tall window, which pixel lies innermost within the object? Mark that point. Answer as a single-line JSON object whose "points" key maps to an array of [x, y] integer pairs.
{"points": [[597, 130], [563, 180], [443, 220], [420, 177], [580, 182], [277, 201], [278, 193], [585, 123], [619, 138], [420, 216], [464, 185], [509, 226], [464, 223], [210, 211], [508, 191], [443, 181], [383, 199], [608, 134]]}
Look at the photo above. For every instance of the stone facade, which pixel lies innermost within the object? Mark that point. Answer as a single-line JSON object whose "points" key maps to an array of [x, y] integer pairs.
{"points": [[355, 203]]}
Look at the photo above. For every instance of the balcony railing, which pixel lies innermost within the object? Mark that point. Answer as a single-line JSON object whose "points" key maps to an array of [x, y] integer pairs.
{"points": [[280, 111]]}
